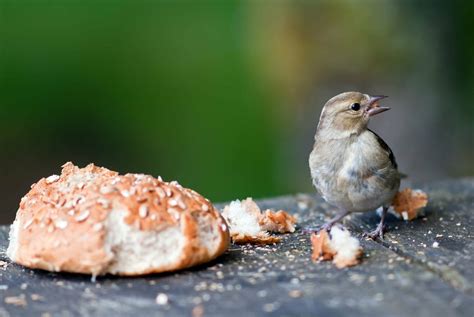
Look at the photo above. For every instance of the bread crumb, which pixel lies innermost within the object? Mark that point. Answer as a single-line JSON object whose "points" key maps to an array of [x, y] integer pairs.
{"points": [[280, 221], [36, 297], [3, 265], [16, 300], [338, 246], [409, 203], [261, 238], [295, 293], [249, 225], [161, 299], [198, 311]]}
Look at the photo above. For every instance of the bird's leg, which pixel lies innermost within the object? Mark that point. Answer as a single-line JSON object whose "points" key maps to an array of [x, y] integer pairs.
{"points": [[328, 225], [378, 233]]}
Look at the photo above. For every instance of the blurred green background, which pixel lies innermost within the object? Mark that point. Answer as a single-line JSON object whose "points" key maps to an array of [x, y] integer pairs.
{"points": [[224, 96]]}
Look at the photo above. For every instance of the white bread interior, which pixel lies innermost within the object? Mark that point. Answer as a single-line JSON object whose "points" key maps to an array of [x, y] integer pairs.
{"points": [[248, 224]]}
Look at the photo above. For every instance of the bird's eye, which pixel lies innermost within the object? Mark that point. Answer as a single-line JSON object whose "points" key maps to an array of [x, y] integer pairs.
{"points": [[355, 106]]}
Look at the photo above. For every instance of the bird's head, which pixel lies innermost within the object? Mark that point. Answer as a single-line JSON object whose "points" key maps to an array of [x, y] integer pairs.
{"points": [[349, 112]]}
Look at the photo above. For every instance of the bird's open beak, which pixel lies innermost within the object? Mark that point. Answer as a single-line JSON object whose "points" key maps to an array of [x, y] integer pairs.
{"points": [[374, 108]]}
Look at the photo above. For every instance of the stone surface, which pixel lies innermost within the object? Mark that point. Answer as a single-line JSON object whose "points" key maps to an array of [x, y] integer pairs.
{"points": [[406, 275]]}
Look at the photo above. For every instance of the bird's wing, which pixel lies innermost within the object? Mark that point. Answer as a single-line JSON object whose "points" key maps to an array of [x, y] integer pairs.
{"points": [[386, 149]]}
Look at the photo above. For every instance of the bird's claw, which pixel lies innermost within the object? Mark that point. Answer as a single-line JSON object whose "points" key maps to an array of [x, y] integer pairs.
{"points": [[377, 233], [327, 227]]}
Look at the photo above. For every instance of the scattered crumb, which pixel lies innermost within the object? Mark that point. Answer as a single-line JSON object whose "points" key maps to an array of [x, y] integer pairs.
{"points": [[295, 293], [3, 265], [261, 238], [248, 224], [409, 203], [36, 297], [280, 221], [161, 299], [435, 244], [270, 307], [338, 246], [198, 311], [16, 300]]}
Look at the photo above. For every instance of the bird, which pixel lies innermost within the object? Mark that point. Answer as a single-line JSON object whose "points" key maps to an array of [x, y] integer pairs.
{"points": [[352, 167]]}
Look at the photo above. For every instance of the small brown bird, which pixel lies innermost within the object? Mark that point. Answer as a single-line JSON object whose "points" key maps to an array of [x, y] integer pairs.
{"points": [[351, 166]]}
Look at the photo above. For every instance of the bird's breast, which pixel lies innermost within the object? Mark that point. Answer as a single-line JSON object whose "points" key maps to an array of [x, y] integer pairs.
{"points": [[350, 175]]}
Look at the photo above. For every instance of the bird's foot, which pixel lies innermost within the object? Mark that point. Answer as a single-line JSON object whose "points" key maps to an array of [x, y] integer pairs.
{"points": [[377, 233], [327, 226]]}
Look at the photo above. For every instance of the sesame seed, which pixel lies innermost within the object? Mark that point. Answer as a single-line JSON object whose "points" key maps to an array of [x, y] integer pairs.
{"points": [[81, 185], [103, 202], [181, 204], [143, 211], [83, 216], [61, 223], [172, 202], [106, 189], [205, 207], [52, 179], [71, 212], [160, 192], [80, 200], [97, 226], [141, 199], [160, 179], [223, 227], [125, 193], [28, 223]]}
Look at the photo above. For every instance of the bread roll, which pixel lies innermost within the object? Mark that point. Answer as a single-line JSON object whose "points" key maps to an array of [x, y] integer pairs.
{"points": [[95, 221]]}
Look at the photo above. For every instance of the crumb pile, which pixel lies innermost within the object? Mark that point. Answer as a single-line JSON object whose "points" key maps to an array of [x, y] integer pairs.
{"points": [[249, 225], [338, 245], [409, 203]]}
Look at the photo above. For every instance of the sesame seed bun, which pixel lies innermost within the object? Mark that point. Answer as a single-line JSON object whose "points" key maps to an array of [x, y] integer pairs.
{"points": [[94, 221]]}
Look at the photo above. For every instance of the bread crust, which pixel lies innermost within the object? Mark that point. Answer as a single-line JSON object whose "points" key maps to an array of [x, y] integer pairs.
{"points": [[62, 221]]}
